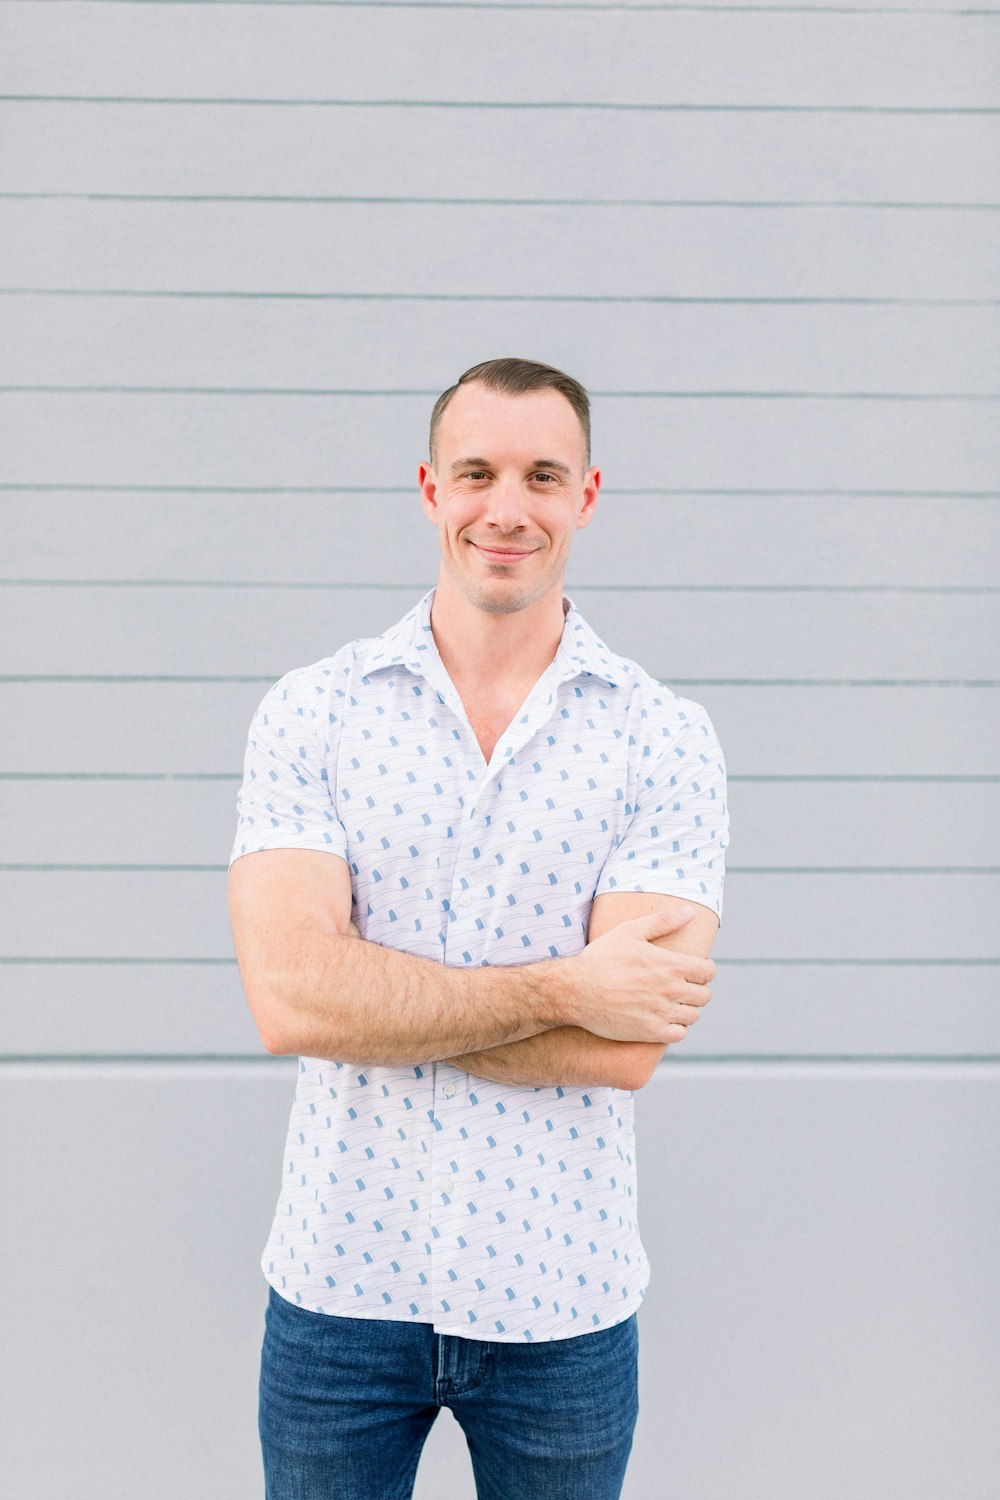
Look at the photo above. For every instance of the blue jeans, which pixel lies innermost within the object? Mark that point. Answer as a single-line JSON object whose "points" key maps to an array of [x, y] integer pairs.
{"points": [[346, 1404]]}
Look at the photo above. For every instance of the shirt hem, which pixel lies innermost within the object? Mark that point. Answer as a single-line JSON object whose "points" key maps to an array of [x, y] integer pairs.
{"points": [[465, 1331]]}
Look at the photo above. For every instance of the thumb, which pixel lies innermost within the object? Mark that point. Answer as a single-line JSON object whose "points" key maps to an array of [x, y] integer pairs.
{"points": [[670, 919]]}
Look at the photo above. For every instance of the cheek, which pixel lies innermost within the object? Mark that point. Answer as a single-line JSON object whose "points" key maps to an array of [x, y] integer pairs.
{"points": [[458, 513]]}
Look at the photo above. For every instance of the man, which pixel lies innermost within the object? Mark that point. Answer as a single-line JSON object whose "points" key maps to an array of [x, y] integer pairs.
{"points": [[527, 832]]}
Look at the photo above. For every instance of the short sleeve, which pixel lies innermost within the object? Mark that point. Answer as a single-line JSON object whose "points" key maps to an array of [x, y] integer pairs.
{"points": [[675, 842], [286, 799]]}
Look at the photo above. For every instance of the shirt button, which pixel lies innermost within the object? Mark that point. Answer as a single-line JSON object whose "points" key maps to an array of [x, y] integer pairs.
{"points": [[448, 1090], [465, 899], [447, 1186]]}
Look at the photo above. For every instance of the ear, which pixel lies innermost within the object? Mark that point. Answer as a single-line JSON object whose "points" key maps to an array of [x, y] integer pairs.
{"points": [[591, 485], [427, 481]]}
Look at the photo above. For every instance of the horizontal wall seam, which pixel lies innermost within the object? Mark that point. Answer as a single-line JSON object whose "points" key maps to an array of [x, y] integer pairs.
{"points": [[268, 678], [37, 868], [234, 777], [477, 297], [75, 487], [64, 961], [577, 588], [964, 1068], [503, 104], [280, 1064], [265, 1060], [568, 5], [456, 202], [937, 779], [357, 393]]}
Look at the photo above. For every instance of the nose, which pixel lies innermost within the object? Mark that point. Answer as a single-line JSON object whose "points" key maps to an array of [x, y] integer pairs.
{"points": [[506, 506]]}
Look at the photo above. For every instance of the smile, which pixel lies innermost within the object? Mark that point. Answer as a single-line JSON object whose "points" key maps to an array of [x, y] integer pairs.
{"points": [[502, 554]]}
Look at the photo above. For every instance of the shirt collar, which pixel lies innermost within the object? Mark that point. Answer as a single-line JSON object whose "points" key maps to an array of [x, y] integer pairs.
{"points": [[582, 650], [410, 644]]}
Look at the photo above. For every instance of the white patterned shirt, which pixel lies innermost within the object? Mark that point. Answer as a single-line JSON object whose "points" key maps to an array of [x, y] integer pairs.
{"points": [[425, 1193]]}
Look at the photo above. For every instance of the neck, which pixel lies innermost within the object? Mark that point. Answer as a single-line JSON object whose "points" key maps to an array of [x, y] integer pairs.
{"points": [[482, 650]]}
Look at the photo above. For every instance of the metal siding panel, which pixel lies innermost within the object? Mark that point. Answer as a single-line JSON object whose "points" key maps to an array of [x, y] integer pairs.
{"points": [[199, 727], [742, 539], [823, 1250], [157, 914], [764, 1010], [775, 824], [135, 1010], [145, 1199], [645, 57], [477, 250], [659, 347], [568, 153], [822, 1242], [182, 630], [697, 443]]}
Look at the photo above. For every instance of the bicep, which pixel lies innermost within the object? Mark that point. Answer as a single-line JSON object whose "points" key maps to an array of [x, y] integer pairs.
{"points": [[280, 902], [613, 907]]}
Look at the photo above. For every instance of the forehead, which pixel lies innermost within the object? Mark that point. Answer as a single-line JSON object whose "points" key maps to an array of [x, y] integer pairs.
{"points": [[489, 424]]}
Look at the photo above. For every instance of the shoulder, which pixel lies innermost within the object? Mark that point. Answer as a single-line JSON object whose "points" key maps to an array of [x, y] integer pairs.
{"points": [[659, 717], [314, 692], [656, 716]]}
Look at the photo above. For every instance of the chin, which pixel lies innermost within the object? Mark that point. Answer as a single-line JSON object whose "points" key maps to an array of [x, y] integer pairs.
{"points": [[507, 602]]}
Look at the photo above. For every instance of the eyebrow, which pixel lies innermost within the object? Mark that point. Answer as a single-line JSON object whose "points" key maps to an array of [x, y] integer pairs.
{"points": [[484, 463]]}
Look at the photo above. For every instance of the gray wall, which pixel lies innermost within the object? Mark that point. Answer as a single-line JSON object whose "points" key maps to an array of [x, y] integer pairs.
{"points": [[243, 248]]}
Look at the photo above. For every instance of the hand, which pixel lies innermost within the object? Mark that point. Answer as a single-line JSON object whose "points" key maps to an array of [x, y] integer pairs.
{"points": [[629, 990]]}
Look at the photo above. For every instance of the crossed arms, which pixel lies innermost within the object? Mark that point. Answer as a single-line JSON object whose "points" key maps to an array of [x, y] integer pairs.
{"points": [[603, 1016]]}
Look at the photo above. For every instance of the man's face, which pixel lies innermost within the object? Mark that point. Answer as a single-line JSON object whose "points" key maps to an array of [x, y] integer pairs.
{"points": [[507, 490]]}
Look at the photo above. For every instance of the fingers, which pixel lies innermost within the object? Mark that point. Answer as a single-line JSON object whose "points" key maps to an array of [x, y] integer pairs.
{"points": [[697, 970], [685, 1015], [670, 919], [685, 1011]]}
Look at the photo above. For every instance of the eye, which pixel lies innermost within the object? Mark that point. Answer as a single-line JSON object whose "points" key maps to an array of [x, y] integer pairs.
{"points": [[543, 474], [475, 474]]}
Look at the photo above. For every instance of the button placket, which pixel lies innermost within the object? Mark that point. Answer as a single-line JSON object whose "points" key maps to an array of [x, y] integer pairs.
{"points": [[446, 1233], [442, 1187], [536, 712], [448, 1209]]}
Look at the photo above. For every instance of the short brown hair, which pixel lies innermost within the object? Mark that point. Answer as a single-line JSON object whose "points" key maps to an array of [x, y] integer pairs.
{"points": [[516, 377]]}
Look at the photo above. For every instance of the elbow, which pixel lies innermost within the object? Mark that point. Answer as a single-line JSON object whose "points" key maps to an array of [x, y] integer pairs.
{"points": [[286, 1031], [274, 1024], [276, 1043], [635, 1071], [632, 1079], [275, 1038]]}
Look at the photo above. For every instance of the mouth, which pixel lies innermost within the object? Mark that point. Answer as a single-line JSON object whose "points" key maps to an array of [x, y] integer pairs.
{"points": [[503, 554]]}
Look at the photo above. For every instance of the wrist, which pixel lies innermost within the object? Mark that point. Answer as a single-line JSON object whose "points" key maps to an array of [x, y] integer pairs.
{"points": [[564, 983]]}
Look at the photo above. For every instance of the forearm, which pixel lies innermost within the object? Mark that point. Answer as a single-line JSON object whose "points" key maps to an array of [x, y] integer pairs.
{"points": [[317, 989], [568, 1056], [573, 1057], [356, 1001]]}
